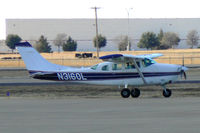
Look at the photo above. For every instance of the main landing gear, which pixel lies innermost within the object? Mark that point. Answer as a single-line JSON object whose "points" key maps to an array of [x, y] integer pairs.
{"points": [[125, 93], [135, 93]]}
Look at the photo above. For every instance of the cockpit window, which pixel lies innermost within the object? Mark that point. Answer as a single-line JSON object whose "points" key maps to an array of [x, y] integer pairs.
{"points": [[104, 68], [94, 67], [129, 65], [117, 67], [147, 62], [138, 63]]}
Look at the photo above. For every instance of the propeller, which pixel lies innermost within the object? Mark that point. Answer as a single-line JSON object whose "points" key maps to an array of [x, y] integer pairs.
{"points": [[183, 69], [183, 74]]}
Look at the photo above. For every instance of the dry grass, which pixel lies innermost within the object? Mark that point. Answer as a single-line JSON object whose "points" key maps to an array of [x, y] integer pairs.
{"points": [[191, 56], [92, 91]]}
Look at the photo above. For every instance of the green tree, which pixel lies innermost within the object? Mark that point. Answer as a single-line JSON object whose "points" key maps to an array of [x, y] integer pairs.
{"points": [[60, 40], [11, 40], [192, 38], [169, 40], [123, 43], [148, 40], [70, 45], [160, 35], [101, 41], [42, 45]]}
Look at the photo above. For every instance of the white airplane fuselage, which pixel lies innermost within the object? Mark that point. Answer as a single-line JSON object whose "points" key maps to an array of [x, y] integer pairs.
{"points": [[155, 74]]}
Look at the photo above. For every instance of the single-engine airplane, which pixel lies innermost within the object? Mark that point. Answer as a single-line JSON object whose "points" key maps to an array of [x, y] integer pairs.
{"points": [[118, 69]]}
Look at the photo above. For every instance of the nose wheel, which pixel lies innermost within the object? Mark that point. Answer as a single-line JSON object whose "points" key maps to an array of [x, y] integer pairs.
{"points": [[166, 92], [125, 93]]}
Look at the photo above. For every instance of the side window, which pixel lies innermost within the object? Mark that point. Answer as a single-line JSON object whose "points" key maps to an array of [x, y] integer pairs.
{"points": [[105, 68], [94, 67], [138, 63], [117, 67], [129, 65]]}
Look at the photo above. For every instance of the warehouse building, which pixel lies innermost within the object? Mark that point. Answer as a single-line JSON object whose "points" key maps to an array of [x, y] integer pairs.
{"points": [[83, 30]]}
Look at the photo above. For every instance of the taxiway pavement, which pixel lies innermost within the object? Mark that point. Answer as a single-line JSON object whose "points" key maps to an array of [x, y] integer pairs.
{"points": [[108, 115]]}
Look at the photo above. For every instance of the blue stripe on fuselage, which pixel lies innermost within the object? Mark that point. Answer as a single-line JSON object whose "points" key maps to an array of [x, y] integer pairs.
{"points": [[99, 76]]}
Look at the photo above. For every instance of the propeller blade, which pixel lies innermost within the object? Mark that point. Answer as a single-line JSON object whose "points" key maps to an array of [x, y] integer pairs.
{"points": [[181, 74], [185, 76]]}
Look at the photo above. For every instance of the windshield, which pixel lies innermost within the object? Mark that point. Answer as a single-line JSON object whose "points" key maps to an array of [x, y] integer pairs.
{"points": [[147, 62]]}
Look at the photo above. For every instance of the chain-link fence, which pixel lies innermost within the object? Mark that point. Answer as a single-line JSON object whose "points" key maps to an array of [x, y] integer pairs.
{"points": [[89, 62]]}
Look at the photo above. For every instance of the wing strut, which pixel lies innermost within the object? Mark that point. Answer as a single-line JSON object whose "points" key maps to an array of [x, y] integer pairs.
{"points": [[140, 73]]}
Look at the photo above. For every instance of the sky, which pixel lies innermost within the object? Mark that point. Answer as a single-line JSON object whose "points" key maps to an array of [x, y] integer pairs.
{"points": [[26, 9]]}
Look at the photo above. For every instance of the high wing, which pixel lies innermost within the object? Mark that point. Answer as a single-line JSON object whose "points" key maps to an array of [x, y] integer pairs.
{"points": [[151, 56], [127, 58], [119, 58]]}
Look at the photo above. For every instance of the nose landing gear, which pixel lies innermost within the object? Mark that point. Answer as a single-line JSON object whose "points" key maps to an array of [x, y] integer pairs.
{"points": [[166, 92]]}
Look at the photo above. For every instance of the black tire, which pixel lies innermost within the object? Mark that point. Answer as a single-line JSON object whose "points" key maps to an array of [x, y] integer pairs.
{"points": [[167, 93], [135, 93], [125, 93]]}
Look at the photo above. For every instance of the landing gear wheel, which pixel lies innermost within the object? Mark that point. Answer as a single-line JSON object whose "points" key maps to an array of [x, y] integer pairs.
{"points": [[125, 93], [167, 93], [135, 93]]}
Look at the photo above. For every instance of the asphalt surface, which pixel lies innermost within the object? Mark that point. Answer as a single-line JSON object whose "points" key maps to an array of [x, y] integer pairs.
{"points": [[95, 115], [114, 115]]}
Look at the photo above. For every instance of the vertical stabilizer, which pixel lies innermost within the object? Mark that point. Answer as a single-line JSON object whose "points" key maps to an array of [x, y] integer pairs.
{"points": [[33, 60]]}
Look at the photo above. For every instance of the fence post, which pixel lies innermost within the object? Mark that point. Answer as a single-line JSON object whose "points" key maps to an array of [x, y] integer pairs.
{"points": [[183, 60], [18, 63]]}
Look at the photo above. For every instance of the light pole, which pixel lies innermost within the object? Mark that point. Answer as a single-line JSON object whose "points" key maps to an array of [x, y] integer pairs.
{"points": [[97, 43], [128, 12]]}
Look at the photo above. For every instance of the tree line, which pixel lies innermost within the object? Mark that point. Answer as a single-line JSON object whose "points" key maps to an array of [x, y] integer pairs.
{"points": [[166, 40], [42, 44], [148, 40], [61, 41]]}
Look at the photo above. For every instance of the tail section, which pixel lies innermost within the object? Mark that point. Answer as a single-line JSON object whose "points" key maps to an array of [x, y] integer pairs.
{"points": [[33, 60]]}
